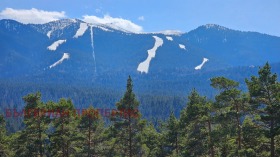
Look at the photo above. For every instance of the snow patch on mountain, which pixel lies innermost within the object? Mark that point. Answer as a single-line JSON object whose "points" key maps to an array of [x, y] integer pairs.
{"points": [[65, 56], [104, 29], [169, 38], [49, 34], [81, 30], [225, 40], [51, 27], [182, 46], [200, 65], [74, 20], [251, 66], [92, 46], [166, 32], [144, 66], [54, 46], [170, 32]]}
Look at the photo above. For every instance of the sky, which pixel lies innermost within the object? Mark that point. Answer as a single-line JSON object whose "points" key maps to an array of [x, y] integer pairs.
{"points": [[152, 15]]}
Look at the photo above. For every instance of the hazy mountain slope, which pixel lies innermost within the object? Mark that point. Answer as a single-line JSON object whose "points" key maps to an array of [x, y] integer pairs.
{"points": [[100, 55]]}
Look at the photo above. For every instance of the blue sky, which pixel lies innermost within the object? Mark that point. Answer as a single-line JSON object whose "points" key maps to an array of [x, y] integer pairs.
{"points": [[156, 15]]}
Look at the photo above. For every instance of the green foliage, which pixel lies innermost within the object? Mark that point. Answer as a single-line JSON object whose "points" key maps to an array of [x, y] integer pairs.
{"points": [[4, 139], [231, 105], [171, 135], [31, 140], [196, 123], [63, 134], [127, 125], [264, 92], [91, 130], [254, 141], [151, 141], [234, 124]]}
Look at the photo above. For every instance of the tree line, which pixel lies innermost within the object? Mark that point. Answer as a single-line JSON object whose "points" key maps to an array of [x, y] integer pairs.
{"points": [[235, 124]]}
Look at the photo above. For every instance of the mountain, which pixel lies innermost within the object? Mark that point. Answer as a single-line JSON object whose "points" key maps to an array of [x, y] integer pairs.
{"points": [[90, 63], [70, 51]]}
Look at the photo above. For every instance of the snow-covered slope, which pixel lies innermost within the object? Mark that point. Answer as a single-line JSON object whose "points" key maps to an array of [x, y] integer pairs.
{"points": [[81, 30], [92, 46], [49, 34], [169, 38], [144, 66], [53, 26], [98, 49], [54, 45], [200, 65], [65, 56], [182, 46]]}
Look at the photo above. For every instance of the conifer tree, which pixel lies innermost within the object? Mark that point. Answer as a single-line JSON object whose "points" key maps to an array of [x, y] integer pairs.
{"points": [[91, 128], [264, 91], [4, 147], [63, 132], [152, 141], [232, 104], [196, 125], [127, 124], [254, 141], [31, 140], [171, 135]]}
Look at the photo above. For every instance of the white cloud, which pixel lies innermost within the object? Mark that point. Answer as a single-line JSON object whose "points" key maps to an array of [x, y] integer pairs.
{"points": [[33, 15], [116, 23], [141, 18]]}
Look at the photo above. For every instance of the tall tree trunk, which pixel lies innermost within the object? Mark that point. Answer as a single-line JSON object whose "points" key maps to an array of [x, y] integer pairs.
{"points": [[272, 141], [130, 138], [238, 126], [177, 151], [67, 149], [40, 138], [63, 142], [212, 153], [89, 139]]}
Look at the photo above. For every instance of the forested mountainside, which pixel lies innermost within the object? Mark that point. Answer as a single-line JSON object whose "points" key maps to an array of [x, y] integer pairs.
{"points": [[88, 63], [234, 123], [72, 51]]}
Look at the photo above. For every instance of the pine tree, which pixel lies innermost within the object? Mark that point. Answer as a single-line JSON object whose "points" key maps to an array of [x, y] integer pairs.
{"points": [[254, 141], [63, 132], [196, 125], [151, 140], [233, 101], [264, 91], [127, 124], [277, 141], [31, 140], [4, 147], [171, 136], [91, 127]]}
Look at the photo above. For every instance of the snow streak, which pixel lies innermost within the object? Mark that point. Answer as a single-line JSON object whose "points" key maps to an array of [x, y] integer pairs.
{"points": [[81, 30], [54, 45], [182, 46], [65, 56], [92, 46], [169, 38], [203, 62], [144, 66]]}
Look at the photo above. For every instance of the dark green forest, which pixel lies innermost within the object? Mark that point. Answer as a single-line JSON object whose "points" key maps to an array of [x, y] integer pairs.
{"points": [[235, 123]]}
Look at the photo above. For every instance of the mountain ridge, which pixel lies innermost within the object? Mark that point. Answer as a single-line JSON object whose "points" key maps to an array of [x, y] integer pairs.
{"points": [[98, 52], [68, 22]]}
